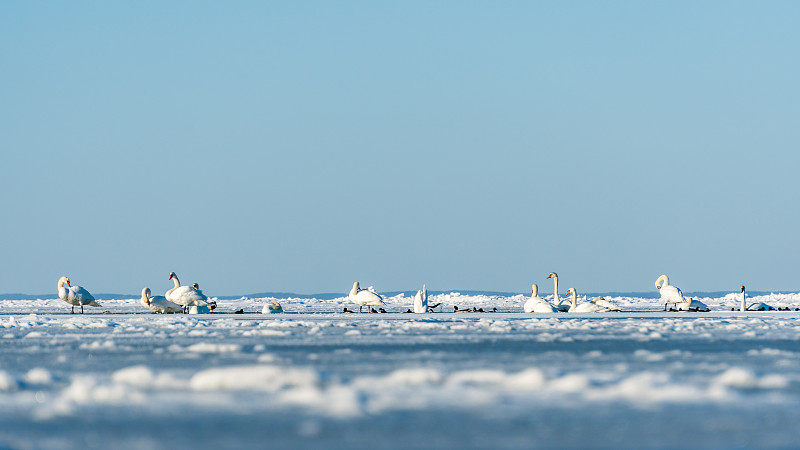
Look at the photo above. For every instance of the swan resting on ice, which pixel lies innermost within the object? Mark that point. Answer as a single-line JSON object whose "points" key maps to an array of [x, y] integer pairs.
{"points": [[159, 303], [74, 295], [364, 297], [693, 305], [755, 306], [537, 304], [608, 304], [421, 301], [272, 308], [583, 307], [185, 296]]}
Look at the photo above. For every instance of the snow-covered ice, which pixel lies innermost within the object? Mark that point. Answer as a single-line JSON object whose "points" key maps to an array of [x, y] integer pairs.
{"points": [[317, 378]]}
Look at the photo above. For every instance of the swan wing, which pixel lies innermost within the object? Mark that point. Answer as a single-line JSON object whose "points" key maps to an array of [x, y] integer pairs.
{"points": [[538, 305], [589, 308], [160, 304], [366, 298], [187, 296], [77, 295], [671, 294], [419, 303]]}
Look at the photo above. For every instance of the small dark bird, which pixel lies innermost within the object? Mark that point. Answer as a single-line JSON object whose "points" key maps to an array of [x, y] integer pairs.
{"points": [[408, 311], [381, 310], [463, 310], [474, 309], [241, 311], [372, 310], [432, 307], [347, 310]]}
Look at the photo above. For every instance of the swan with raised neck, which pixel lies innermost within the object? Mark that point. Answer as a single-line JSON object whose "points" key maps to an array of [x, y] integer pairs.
{"points": [[743, 306], [185, 296], [563, 307]]}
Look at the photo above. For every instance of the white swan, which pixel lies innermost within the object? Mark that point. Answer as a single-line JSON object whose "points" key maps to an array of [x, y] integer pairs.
{"points": [[158, 303], [669, 293], [754, 306], [74, 295], [421, 301], [693, 305], [583, 307], [607, 304], [272, 308], [185, 296], [362, 297], [562, 306], [537, 304]]}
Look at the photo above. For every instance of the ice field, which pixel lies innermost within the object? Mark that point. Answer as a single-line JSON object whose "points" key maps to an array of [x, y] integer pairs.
{"points": [[314, 377]]}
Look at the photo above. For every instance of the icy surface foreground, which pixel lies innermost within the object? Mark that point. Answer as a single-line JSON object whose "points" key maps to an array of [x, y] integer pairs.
{"points": [[501, 380]]}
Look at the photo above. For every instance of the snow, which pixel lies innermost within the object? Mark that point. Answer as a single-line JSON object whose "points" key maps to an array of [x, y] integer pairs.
{"points": [[313, 377]]}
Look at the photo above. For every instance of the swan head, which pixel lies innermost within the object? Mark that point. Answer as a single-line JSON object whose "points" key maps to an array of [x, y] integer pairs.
{"points": [[553, 275], [62, 281], [663, 278], [742, 288], [571, 291], [356, 288], [172, 275], [195, 286]]}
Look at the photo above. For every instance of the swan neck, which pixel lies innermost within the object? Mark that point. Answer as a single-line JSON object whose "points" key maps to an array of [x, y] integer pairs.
{"points": [[176, 281], [555, 288], [744, 302], [534, 290], [574, 299], [61, 282]]}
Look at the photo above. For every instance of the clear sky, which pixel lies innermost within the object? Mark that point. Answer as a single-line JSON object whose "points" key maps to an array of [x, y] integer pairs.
{"points": [[300, 146]]}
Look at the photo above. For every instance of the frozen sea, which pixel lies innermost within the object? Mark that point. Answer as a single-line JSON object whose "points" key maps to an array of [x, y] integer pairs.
{"points": [[313, 377]]}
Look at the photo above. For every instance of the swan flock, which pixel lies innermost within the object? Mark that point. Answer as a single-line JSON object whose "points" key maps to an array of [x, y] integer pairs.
{"points": [[190, 299]]}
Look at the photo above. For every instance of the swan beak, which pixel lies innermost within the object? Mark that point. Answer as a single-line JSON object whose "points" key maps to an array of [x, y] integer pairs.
{"points": [[68, 284], [549, 276], [658, 287]]}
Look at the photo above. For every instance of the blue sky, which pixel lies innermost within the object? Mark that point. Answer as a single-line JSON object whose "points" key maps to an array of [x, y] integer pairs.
{"points": [[300, 146]]}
